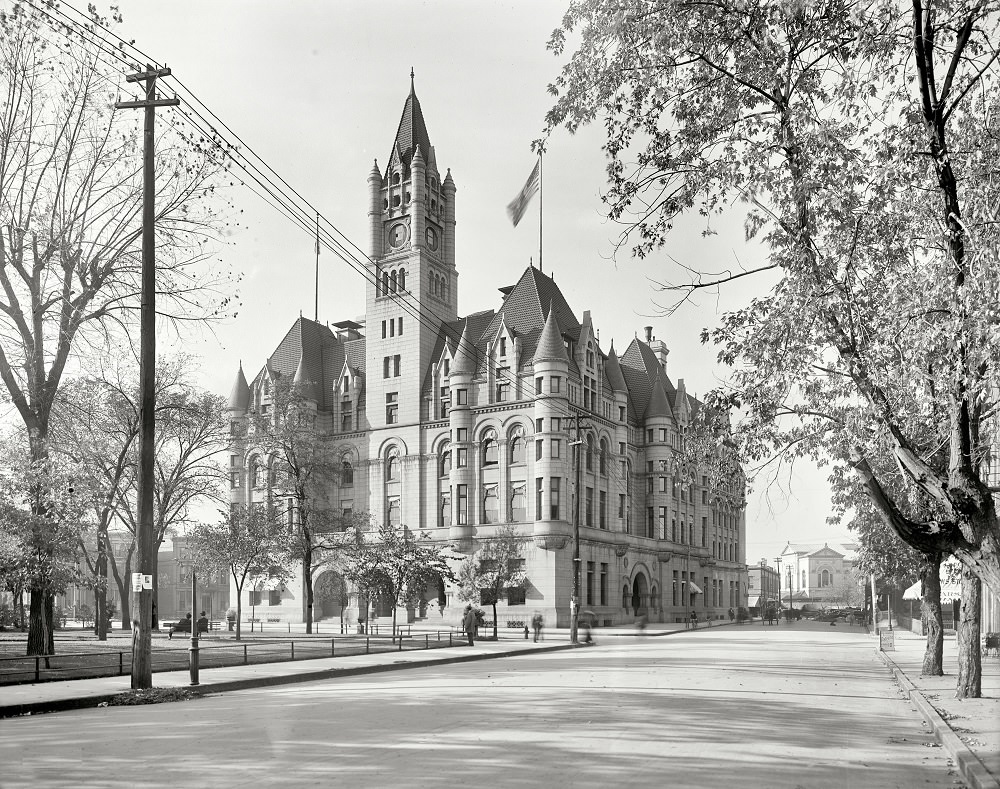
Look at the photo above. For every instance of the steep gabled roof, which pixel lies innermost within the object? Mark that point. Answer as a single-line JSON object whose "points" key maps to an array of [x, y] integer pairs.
{"points": [[314, 354], [525, 308], [411, 135]]}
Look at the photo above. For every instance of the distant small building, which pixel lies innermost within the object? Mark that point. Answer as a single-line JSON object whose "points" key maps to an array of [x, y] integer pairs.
{"points": [[762, 587], [818, 576], [173, 592]]}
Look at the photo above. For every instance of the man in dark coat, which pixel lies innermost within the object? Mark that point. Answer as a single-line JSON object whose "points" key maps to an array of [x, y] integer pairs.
{"points": [[469, 623]]}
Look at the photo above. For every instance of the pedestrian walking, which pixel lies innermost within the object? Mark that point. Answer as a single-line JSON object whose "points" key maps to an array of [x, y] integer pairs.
{"points": [[694, 620], [537, 622], [732, 615], [469, 623]]}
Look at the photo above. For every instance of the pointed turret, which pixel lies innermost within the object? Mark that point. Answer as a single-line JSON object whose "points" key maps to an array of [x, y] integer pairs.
{"points": [[303, 382], [239, 397], [614, 370], [465, 354], [411, 134], [550, 344], [659, 406]]}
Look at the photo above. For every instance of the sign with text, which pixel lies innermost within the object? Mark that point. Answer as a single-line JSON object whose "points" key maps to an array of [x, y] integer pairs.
{"points": [[887, 641], [136, 582]]}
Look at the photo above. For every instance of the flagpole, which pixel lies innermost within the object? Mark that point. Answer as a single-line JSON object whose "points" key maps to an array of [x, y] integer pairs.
{"points": [[316, 304], [540, 267]]}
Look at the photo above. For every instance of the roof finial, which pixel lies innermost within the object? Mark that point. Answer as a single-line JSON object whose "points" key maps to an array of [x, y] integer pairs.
{"points": [[411, 79]]}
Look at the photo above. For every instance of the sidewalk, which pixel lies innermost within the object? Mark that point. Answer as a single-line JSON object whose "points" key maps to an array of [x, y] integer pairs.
{"points": [[969, 729]]}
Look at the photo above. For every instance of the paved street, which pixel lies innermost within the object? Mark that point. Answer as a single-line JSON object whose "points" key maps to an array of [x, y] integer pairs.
{"points": [[804, 705]]}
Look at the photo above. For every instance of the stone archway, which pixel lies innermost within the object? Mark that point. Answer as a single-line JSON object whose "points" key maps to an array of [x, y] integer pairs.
{"points": [[640, 594], [330, 595]]}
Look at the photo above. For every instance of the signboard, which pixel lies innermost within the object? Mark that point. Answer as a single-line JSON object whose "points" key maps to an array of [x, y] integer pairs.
{"points": [[147, 582], [887, 642], [136, 582]]}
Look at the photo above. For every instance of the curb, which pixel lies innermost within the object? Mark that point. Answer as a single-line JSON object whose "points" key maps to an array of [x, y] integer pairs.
{"points": [[85, 702], [971, 769]]}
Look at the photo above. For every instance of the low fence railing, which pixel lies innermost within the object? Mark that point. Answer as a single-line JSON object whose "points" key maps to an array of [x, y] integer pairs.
{"points": [[112, 662]]}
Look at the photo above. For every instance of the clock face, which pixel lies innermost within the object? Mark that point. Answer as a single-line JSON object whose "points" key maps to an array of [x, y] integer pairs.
{"points": [[432, 239], [397, 235]]}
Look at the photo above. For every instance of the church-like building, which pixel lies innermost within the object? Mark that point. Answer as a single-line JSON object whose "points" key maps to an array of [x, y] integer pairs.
{"points": [[450, 425]]}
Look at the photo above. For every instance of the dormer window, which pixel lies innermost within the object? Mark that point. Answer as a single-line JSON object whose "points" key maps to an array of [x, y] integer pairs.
{"points": [[503, 346]]}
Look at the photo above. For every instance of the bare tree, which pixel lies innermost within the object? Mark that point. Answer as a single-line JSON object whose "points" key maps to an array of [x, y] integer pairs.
{"points": [[70, 221]]}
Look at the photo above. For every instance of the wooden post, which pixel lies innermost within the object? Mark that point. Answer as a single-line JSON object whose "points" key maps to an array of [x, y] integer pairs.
{"points": [[142, 658]]}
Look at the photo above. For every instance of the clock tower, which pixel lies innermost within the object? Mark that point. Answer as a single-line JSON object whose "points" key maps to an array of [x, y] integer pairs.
{"points": [[411, 248]]}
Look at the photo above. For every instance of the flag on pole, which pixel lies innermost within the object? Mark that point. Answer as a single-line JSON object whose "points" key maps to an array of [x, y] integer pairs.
{"points": [[517, 206]]}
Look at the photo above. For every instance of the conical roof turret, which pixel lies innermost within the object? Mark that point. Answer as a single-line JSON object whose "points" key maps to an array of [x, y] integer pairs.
{"points": [[239, 397], [614, 370], [303, 382], [550, 344], [465, 354], [659, 406]]}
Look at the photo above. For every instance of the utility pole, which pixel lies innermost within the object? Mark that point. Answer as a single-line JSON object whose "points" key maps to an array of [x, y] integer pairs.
{"points": [[574, 620], [142, 659]]}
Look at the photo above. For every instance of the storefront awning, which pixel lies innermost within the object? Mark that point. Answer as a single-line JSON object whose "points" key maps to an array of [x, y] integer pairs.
{"points": [[754, 601], [695, 588], [949, 592]]}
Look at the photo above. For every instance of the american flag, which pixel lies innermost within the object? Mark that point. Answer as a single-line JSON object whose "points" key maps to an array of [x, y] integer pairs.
{"points": [[517, 206]]}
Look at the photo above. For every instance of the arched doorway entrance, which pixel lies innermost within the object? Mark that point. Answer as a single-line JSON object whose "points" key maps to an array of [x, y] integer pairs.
{"points": [[330, 595], [640, 594]]}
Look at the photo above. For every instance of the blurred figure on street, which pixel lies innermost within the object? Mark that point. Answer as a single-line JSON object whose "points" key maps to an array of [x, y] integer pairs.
{"points": [[732, 615], [537, 622], [640, 624], [694, 620], [469, 623]]}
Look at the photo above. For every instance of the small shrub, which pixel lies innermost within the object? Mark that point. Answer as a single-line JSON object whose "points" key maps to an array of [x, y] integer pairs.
{"points": [[152, 696]]}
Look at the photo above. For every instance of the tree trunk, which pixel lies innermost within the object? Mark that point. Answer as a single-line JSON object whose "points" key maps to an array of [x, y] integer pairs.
{"points": [[494, 617], [36, 623], [307, 586], [970, 667], [239, 610], [101, 585], [124, 592], [930, 613], [50, 618]]}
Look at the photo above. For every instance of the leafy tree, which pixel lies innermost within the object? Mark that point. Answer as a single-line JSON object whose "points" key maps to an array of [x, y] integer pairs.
{"points": [[391, 565], [40, 528], [250, 544], [843, 132], [96, 423], [300, 460], [70, 222], [496, 567]]}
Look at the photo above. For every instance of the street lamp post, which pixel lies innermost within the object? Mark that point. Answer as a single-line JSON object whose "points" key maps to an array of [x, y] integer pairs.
{"points": [[763, 591], [778, 562], [574, 613], [193, 650]]}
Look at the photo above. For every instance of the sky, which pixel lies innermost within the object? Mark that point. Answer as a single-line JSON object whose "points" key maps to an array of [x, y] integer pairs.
{"points": [[316, 89]]}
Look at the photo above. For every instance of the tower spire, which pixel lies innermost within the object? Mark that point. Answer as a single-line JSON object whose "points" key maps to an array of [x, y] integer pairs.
{"points": [[412, 89]]}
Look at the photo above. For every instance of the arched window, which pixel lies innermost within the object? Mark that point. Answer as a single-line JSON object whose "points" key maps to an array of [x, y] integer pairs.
{"points": [[392, 468], [824, 578], [434, 283], [604, 457], [491, 505], [385, 282], [590, 452], [346, 473], [402, 279], [394, 282], [395, 178], [516, 449], [490, 449], [445, 463], [394, 513], [259, 472], [653, 597]]}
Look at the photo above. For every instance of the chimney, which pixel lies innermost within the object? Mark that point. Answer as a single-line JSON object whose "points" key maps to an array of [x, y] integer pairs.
{"points": [[649, 333]]}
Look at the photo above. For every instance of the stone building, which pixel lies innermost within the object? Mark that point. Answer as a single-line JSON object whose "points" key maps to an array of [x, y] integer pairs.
{"points": [[817, 576], [449, 425]]}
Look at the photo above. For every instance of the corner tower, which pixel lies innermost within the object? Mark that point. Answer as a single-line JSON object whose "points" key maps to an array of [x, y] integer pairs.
{"points": [[412, 271]]}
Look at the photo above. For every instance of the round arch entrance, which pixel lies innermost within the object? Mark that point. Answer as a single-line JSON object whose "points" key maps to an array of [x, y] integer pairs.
{"points": [[640, 593], [330, 594]]}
